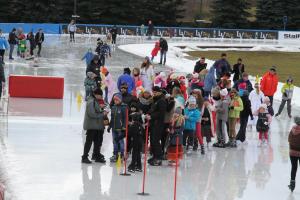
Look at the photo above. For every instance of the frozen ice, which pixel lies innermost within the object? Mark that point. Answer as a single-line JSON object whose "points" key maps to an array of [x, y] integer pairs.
{"points": [[41, 142]]}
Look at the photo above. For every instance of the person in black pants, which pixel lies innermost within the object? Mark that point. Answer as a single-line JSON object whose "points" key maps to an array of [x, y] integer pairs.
{"points": [[294, 141], [94, 126], [12, 40], [135, 132], [244, 115], [156, 116], [150, 29], [39, 39], [163, 50], [114, 33], [238, 70], [30, 38]]}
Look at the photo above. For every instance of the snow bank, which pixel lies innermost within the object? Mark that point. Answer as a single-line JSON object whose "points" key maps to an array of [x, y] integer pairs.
{"points": [[176, 59]]}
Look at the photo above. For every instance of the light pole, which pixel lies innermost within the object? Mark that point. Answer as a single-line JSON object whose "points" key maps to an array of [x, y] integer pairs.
{"points": [[285, 20]]}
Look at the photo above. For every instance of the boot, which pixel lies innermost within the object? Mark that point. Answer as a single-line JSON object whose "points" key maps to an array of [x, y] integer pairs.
{"points": [[292, 185], [202, 149], [155, 162], [100, 159], [85, 160], [131, 168]]}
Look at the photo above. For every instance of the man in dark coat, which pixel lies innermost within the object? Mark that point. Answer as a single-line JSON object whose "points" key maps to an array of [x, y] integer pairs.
{"points": [[156, 116], [200, 65], [163, 44], [127, 98], [222, 67], [12, 40], [238, 70], [114, 33], [39, 39], [150, 29]]}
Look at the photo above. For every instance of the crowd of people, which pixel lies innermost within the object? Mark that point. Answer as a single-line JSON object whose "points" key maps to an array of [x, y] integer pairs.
{"points": [[178, 110]]}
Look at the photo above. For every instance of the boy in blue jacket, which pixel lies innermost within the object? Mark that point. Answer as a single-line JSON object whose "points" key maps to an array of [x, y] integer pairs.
{"points": [[118, 126], [192, 116]]}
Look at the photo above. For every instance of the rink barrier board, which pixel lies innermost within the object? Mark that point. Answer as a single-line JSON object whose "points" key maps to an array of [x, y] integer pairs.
{"points": [[27, 27], [136, 31], [36, 86]]}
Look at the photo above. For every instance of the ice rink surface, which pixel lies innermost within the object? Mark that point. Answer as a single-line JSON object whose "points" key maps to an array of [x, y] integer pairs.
{"points": [[41, 143]]}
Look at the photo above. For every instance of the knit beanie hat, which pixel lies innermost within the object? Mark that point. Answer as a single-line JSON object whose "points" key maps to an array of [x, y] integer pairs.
{"points": [[118, 97], [297, 120], [127, 70], [224, 92], [192, 100], [104, 70]]}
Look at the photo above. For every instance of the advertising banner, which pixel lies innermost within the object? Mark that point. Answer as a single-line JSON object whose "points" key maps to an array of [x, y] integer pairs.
{"points": [[289, 35]]}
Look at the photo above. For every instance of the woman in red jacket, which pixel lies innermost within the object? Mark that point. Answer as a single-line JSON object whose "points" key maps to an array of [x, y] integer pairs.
{"points": [[269, 82]]}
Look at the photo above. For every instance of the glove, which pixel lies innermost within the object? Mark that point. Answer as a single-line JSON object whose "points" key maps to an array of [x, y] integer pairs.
{"points": [[231, 107], [108, 129], [285, 94], [266, 123], [252, 118]]}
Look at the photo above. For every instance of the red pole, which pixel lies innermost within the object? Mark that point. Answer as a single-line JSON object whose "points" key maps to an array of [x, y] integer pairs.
{"points": [[176, 168], [126, 144], [145, 161]]}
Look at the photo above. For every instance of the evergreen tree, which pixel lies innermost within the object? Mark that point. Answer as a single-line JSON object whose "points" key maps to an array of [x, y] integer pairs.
{"points": [[5, 14], [293, 14], [230, 13], [270, 14]]}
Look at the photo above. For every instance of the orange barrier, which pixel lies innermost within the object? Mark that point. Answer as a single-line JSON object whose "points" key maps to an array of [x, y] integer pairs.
{"points": [[36, 86]]}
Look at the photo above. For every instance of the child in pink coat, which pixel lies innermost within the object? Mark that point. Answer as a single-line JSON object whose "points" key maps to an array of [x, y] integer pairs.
{"points": [[109, 84], [161, 80], [155, 51]]}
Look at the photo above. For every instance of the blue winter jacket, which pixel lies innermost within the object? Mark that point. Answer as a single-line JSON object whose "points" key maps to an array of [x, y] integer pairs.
{"points": [[222, 66], [3, 43], [193, 117], [126, 78], [210, 80], [88, 57]]}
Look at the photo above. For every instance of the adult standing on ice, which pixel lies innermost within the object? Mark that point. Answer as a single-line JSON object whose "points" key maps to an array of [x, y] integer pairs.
{"points": [[163, 44], [269, 82], [39, 39], [114, 33], [12, 40], [256, 98], [94, 126], [222, 66], [147, 74], [150, 29], [72, 30], [238, 70]]}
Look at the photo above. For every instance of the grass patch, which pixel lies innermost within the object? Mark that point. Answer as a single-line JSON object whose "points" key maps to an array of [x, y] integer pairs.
{"points": [[258, 62]]}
